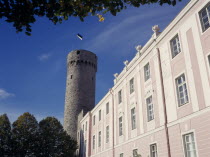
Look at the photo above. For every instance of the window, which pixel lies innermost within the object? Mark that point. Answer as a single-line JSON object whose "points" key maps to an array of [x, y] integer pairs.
{"points": [[83, 127], [107, 108], [135, 153], [209, 60], [189, 145], [175, 46], [205, 17], [132, 85], [146, 72], [153, 150], [94, 141], [150, 109], [99, 115], [94, 120], [99, 139], [121, 155], [86, 126], [107, 134], [181, 87], [133, 118], [120, 127], [120, 96]]}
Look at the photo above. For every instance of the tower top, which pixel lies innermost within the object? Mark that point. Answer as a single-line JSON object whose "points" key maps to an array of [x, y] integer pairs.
{"points": [[82, 55]]}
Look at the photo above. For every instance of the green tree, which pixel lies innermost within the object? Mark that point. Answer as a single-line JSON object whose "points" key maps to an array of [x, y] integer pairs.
{"points": [[22, 13], [5, 136], [55, 142], [26, 136]]}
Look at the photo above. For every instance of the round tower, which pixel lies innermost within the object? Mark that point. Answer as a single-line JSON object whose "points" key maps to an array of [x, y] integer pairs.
{"points": [[80, 88]]}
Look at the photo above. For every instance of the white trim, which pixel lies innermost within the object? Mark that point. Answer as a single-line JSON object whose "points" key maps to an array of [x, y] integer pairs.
{"points": [[195, 114]]}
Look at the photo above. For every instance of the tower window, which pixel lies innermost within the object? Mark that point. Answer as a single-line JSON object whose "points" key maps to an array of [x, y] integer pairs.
{"points": [[78, 52], [71, 76]]}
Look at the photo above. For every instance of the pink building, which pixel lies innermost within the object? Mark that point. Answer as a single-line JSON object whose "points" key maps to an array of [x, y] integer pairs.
{"points": [[159, 105]]}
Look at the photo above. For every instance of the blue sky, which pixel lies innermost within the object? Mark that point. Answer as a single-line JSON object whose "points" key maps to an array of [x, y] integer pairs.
{"points": [[33, 69]]}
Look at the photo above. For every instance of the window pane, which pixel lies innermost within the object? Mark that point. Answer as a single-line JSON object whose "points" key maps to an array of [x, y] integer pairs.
{"points": [[189, 145], [175, 46], [205, 17]]}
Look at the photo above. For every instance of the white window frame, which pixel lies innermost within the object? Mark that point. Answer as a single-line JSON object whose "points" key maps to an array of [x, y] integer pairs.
{"points": [[135, 152], [182, 94], [150, 109], [153, 152], [107, 108], [99, 115], [131, 85], [120, 96], [94, 141], [99, 139], [192, 142], [133, 118], [107, 134], [205, 9], [120, 126], [146, 72], [175, 52]]}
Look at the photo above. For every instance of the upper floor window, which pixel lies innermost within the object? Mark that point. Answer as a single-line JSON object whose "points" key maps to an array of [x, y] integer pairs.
{"points": [[94, 120], [94, 141], [107, 108], [121, 155], [189, 145], [153, 150], [209, 59], [120, 96], [150, 109], [107, 134], [86, 126], [135, 153], [120, 126], [99, 115], [132, 85], [175, 46], [146, 72], [133, 118], [99, 139], [181, 87], [205, 17]]}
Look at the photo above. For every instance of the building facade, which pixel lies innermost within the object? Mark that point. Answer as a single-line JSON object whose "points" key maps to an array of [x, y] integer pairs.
{"points": [[159, 105]]}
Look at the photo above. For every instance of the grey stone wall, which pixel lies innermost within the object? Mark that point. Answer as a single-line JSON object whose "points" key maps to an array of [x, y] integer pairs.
{"points": [[80, 87]]}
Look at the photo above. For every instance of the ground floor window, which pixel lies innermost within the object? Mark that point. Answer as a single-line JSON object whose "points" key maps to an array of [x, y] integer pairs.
{"points": [[189, 145], [153, 150]]}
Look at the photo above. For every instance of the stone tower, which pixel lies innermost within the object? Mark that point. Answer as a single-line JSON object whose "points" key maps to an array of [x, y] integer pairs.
{"points": [[80, 88]]}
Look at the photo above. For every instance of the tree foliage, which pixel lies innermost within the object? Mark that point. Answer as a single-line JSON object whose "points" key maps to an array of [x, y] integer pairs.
{"points": [[28, 138], [55, 141], [5, 136], [22, 13]]}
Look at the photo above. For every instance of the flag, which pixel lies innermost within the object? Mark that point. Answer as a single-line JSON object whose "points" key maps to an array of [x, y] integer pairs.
{"points": [[79, 36]]}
